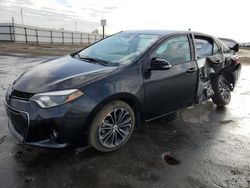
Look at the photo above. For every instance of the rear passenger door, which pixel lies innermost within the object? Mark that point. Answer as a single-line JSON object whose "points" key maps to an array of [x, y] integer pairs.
{"points": [[168, 90]]}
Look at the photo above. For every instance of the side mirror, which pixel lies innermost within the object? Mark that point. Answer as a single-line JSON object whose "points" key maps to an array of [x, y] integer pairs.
{"points": [[159, 64], [236, 47]]}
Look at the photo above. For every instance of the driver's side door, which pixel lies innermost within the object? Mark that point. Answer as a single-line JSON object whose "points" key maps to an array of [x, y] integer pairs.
{"points": [[168, 90]]}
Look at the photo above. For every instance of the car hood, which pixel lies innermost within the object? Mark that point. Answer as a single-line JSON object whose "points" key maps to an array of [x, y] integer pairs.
{"points": [[59, 74]]}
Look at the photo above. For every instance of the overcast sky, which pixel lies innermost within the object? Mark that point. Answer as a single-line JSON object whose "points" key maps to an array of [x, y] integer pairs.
{"points": [[222, 18]]}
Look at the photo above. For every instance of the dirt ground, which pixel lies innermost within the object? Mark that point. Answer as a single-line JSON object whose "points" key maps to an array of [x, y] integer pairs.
{"points": [[41, 49], [202, 146]]}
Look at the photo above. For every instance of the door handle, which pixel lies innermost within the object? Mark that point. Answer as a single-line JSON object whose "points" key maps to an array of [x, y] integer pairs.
{"points": [[191, 70]]}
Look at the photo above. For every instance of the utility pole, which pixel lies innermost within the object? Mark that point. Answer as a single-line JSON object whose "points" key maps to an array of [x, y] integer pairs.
{"points": [[75, 25], [21, 15], [13, 29], [13, 22], [103, 31], [103, 24]]}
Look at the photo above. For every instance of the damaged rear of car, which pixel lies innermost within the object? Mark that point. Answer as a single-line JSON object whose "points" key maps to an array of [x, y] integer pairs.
{"points": [[219, 68]]}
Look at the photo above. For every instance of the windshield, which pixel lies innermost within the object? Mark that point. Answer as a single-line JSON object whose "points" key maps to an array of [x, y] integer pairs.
{"points": [[120, 48]]}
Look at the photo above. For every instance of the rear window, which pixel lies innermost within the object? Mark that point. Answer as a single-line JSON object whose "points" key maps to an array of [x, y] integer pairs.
{"points": [[223, 46], [228, 42]]}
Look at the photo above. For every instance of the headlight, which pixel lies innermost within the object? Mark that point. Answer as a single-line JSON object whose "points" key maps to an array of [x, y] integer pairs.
{"points": [[55, 98]]}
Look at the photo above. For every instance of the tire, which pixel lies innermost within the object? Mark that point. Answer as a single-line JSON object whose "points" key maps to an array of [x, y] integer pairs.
{"points": [[222, 93], [112, 126]]}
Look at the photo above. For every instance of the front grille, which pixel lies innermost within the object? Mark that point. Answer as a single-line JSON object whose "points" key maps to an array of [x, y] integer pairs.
{"points": [[19, 121], [21, 95]]}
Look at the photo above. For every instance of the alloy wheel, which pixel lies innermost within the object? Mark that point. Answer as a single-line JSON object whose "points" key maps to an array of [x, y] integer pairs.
{"points": [[224, 89], [115, 128]]}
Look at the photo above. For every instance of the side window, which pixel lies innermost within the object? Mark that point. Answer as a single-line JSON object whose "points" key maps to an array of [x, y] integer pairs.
{"points": [[215, 48], [175, 50], [204, 47]]}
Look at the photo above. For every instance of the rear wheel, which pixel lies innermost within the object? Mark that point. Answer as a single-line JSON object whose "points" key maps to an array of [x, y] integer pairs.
{"points": [[222, 93], [112, 126]]}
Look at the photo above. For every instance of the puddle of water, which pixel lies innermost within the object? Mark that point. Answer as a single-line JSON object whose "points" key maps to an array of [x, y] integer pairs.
{"points": [[243, 127], [170, 159]]}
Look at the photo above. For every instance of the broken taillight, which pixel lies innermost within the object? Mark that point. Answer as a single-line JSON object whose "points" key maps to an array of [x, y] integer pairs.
{"points": [[236, 60]]}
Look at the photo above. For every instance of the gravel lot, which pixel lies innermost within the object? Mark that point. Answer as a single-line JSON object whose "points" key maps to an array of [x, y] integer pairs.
{"points": [[202, 146]]}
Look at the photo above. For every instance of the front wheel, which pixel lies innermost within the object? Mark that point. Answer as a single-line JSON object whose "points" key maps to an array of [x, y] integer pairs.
{"points": [[112, 126], [222, 93]]}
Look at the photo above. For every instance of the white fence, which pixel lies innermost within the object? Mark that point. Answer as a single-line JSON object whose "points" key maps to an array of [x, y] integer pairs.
{"points": [[28, 34]]}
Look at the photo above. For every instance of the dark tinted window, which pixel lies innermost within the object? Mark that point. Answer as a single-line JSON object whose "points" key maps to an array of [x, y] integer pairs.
{"points": [[174, 50]]}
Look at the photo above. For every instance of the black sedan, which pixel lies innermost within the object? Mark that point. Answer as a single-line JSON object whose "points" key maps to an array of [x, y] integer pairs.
{"points": [[98, 95]]}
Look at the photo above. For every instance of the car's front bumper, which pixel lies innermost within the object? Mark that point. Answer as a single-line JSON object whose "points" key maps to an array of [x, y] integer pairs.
{"points": [[55, 127]]}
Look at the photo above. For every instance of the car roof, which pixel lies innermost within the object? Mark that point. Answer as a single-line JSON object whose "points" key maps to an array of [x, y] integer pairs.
{"points": [[156, 32], [164, 32]]}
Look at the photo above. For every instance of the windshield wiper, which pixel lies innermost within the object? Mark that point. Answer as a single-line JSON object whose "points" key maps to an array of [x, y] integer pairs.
{"points": [[102, 62]]}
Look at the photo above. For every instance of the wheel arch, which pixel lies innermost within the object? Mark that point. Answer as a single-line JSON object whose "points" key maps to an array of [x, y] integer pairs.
{"points": [[130, 99]]}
